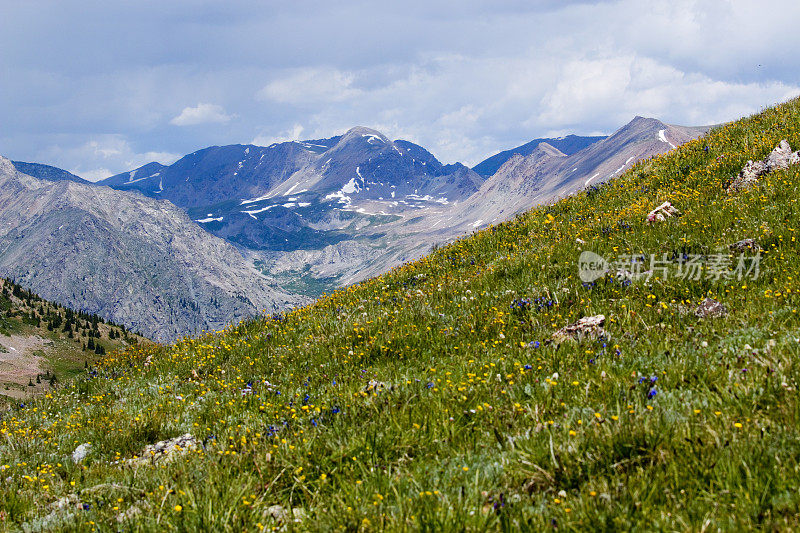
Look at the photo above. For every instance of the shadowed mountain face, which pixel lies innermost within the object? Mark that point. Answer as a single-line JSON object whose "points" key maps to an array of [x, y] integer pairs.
{"points": [[362, 162], [128, 258], [567, 145], [46, 172]]}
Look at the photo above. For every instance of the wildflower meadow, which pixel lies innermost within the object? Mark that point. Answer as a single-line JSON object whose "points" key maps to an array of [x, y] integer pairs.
{"points": [[435, 397]]}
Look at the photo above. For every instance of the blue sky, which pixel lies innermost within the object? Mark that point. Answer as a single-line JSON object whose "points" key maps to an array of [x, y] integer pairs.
{"points": [[101, 87]]}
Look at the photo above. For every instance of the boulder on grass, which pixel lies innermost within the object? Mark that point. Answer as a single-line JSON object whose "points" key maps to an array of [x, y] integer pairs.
{"points": [[710, 308], [165, 450], [780, 158], [587, 327], [662, 212]]}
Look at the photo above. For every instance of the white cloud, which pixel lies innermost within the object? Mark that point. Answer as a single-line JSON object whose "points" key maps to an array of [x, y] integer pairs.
{"points": [[201, 114], [96, 156], [294, 133], [96, 174], [463, 83], [594, 90], [310, 86], [533, 94]]}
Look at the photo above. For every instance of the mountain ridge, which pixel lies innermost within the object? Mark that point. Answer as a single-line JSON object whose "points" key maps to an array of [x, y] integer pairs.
{"points": [[568, 145], [371, 202], [128, 258], [47, 172]]}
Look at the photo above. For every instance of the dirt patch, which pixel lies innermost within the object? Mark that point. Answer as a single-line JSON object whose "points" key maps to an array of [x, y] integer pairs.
{"points": [[19, 362]]}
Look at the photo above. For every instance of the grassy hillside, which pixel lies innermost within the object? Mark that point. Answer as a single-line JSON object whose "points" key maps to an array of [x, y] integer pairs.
{"points": [[43, 344], [433, 398]]}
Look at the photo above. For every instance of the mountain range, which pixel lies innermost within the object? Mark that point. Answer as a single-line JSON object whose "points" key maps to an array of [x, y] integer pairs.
{"points": [[487, 385], [291, 195], [146, 247], [325, 213], [125, 257]]}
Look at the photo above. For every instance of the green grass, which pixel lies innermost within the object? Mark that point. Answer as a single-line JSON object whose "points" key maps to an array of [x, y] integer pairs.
{"points": [[475, 429]]}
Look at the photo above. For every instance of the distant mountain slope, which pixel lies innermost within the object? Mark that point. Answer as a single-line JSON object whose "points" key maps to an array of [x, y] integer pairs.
{"points": [[127, 258], [542, 176], [568, 145], [363, 164], [46, 172], [215, 174]]}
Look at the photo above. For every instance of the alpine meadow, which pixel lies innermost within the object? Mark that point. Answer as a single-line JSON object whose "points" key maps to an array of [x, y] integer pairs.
{"points": [[485, 386]]}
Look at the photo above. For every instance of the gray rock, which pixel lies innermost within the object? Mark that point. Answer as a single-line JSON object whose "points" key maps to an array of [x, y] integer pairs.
{"points": [[165, 450], [70, 500], [586, 327], [710, 308], [133, 512], [281, 514], [745, 245], [662, 212], [61, 514], [80, 453], [780, 158]]}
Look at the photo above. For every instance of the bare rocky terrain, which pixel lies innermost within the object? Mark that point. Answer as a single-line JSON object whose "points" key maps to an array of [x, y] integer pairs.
{"points": [[128, 258]]}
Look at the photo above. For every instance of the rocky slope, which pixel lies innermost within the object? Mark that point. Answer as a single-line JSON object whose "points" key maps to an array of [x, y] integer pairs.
{"points": [[567, 145], [128, 258], [546, 173]]}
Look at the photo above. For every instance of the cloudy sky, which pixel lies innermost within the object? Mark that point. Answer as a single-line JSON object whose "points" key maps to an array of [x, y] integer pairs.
{"points": [[99, 87]]}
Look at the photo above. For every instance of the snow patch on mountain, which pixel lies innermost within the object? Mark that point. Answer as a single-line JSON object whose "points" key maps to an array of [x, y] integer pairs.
{"points": [[254, 200], [370, 138], [663, 138], [252, 212]]}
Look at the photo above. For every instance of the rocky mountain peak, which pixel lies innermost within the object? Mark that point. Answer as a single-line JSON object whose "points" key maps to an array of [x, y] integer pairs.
{"points": [[546, 149], [7, 167], [640, 124], [360, 136]]}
